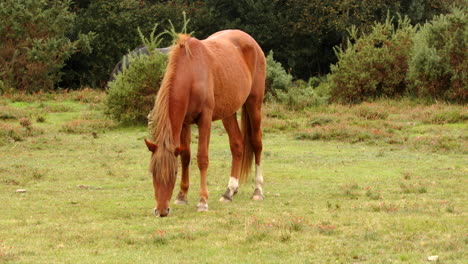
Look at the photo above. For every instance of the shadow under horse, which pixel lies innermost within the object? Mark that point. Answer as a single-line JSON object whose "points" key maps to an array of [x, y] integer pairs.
{"points": [[207, 80]]}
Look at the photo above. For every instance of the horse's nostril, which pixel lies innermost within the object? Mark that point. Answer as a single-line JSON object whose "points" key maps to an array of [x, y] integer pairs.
{"points": [[156, 212]]}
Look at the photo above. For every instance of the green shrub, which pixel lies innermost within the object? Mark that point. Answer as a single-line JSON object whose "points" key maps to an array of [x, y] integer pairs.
{"points": [[34, 43], [131, 95], [374, 64], [300, 95], [439, 66], [277, 79]]}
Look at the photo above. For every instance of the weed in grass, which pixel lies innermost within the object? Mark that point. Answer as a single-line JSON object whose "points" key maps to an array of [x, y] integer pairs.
{"points": [[422, 189], [371, 111], [407, 176], [441, 114], [380, 154], [10, 113], [40, 119], [325, 228], [87, 95], [25, 122], [86, 126], [160, 241], [351, 191], [439, 144], [450, 208], [57, 108], [371, 235], [285, 236], [385, 207], [411, 188], [37, 174], [321, 120], [373, 195], [10, 132], [276, 114], [308, 136], [256, 236]]}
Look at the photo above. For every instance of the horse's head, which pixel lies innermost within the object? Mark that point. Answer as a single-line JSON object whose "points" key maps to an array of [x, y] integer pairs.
{"points": [[164, 170]]}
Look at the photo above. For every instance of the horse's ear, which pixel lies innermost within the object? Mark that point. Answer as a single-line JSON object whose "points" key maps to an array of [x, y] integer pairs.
{"points": [[151, 146], [178, 150]]}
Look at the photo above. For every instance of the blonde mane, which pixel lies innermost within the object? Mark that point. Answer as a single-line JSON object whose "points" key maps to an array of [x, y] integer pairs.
{"points": [[163, 162]]}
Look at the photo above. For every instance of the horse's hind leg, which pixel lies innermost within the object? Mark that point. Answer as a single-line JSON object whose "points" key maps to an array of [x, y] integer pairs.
{"points": [[254, 109], [236, 143], [185, 160]]}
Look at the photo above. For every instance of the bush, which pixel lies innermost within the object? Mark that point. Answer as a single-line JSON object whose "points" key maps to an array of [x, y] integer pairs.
{"points": [[34, 43], [131, 95], [373, 65], [277, 79], [439, 66], [301, 95]]}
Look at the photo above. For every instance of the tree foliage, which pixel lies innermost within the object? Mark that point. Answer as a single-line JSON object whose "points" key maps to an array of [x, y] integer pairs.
{"points": [[115, 22], [34, 45], [303, 33]]}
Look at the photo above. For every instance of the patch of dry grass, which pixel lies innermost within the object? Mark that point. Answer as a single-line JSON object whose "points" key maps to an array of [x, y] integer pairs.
{"points": [[438, 127]]}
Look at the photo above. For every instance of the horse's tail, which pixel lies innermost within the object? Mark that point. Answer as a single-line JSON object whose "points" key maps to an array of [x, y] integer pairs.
{"points": [[247, 152]]}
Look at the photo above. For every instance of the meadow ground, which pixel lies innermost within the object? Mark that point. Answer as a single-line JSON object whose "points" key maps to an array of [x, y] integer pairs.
{"points": [[382, 182]]}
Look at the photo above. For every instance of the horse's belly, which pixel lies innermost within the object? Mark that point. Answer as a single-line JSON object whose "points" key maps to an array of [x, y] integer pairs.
{"points": [[230, 97]]}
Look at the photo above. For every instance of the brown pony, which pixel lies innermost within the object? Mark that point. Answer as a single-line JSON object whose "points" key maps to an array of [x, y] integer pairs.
{"points": [[207, 80]]}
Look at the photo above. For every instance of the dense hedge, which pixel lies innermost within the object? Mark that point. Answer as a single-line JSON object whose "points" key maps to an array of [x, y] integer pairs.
{"points": [[392, 61], [373, 65], [439, 65]]}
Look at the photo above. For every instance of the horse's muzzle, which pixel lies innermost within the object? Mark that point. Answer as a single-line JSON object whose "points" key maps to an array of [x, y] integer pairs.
{"points": [[160, 214]]}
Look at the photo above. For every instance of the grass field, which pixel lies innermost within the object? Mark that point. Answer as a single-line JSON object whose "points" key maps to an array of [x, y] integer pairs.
{"points": [[382, 182]]}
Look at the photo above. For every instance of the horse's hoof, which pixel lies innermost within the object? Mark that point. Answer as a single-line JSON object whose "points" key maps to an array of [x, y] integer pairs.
{"points": [[202, 207], [227, 196], [180, 202], [258, 195], [224, 199]]}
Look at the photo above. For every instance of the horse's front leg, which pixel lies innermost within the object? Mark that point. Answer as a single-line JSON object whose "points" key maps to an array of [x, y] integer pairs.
{"points": [[185, 160], [204, 130]]}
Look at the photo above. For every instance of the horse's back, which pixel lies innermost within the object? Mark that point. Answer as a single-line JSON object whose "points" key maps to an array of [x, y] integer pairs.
{"points": [[238, 62]]}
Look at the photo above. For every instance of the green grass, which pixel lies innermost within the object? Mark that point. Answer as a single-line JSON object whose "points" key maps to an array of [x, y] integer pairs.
{"points": [[89, 195]]}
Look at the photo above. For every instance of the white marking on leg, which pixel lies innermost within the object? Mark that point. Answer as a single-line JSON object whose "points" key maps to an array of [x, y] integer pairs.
{"points": [[232, 188], [258, 193], [233, 185], [202, 207], [258, 178]]}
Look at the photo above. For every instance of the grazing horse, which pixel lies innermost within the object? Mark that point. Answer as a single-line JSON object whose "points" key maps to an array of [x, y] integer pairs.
{"points": [[207, 80]]}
